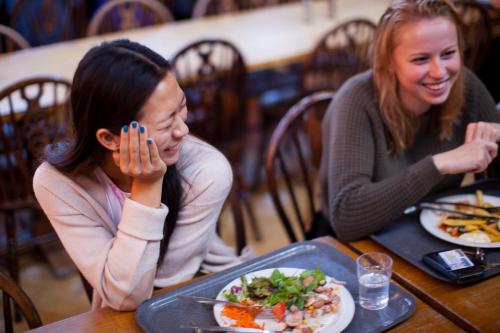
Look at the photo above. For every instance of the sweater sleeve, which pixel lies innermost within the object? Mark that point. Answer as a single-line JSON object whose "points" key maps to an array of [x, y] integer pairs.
{"points": [[357, 205], [121, 268]]}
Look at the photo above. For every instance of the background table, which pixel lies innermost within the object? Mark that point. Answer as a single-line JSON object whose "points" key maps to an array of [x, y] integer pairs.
{"points": [[268, 37]]}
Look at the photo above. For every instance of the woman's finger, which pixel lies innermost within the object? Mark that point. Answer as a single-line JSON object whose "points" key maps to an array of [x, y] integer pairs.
{"points": [[154, 154], [134, 149], [144, 149], [470, 132], [124, 155]]}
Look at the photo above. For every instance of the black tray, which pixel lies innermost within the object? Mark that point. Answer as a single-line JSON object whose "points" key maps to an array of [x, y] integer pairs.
{"points": [[165, 313], [409, 240]]}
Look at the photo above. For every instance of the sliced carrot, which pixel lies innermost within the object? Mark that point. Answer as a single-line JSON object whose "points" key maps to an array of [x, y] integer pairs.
{"points": [[242, 317]]}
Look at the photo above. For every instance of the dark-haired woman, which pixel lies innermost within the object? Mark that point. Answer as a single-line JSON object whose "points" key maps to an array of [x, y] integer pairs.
{"points": [[414, 124], [132, 197]]}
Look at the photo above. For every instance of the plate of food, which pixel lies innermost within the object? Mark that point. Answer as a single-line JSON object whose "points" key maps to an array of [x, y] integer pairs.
{"points": [[297, 300], [453, 228]]}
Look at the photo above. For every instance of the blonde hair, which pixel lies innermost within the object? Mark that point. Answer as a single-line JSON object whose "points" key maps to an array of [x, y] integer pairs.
{"points": [[401, 125]]}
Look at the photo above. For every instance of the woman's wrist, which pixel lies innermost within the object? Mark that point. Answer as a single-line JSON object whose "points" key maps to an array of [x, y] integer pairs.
{"points": [[146, 192], [440, 163]]}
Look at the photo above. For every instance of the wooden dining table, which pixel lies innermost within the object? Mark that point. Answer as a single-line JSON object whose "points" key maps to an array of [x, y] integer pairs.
{"points": [[475, 308], [268, 37], [425, 318]]}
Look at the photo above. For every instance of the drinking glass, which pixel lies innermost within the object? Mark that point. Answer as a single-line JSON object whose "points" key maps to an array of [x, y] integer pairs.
{"points": [[374, 274]]}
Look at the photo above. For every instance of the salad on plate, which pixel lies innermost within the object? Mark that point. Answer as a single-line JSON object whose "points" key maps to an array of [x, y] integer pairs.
{"points": [[298, 300]]}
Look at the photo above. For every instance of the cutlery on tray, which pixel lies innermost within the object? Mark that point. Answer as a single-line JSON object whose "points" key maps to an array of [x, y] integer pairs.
{"points": [[199, 329], [264, 312], [435, 206], [495, 209]]}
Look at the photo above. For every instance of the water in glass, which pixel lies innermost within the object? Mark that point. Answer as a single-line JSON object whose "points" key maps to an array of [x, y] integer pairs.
{"points": [[374, 291]]}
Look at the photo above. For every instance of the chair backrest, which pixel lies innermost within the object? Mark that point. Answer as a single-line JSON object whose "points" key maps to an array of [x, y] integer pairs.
{"points": [[213, 7], [44, 21], [33, 113], [294, 153], [477, 33], [341, 53], [213, 74], [11, 40], [216, 7], [118, 15], [12, 292]]}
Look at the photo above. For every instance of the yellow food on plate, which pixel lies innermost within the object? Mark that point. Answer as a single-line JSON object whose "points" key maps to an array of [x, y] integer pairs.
{"points": [[477, 236]]}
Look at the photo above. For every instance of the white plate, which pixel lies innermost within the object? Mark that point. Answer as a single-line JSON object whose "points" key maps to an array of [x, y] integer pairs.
{"points": [[430, 221], [330, 323]]}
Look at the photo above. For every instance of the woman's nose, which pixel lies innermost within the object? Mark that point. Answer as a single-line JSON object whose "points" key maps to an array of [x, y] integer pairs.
{"points": [[437, 69], [181, 130]]}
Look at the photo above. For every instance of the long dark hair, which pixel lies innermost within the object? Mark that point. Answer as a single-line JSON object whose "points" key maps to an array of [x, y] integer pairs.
{"points": [[111, 84]]}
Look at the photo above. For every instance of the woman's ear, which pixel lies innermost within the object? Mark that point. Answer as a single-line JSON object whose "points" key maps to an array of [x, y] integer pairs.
{"points": [[107, 139]]}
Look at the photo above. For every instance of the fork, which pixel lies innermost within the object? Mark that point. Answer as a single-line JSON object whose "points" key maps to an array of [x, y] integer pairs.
{"points": [[265, 312], [434, 206], [495, 209], [200, 329]]}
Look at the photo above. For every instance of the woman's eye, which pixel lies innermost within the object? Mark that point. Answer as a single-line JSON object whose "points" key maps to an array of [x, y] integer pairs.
{"points": [[419, 60], [448, 54]]}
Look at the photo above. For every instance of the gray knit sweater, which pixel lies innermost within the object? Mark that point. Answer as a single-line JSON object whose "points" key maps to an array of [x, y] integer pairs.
{"points": [[363, 187]]}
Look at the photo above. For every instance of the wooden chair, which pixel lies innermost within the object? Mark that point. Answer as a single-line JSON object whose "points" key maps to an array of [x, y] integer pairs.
{"points": [[11, 40], [477, 33], [46, 21], [212, 73], [12, 292], [341, 53], [216, 7], [213, 7], [118, 15], [294, 154], [33, 113]]}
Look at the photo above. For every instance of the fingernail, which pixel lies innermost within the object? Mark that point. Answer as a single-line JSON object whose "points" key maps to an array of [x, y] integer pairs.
{"points": [[142, 129], [125, 128], [134, 124], [149, 141]]}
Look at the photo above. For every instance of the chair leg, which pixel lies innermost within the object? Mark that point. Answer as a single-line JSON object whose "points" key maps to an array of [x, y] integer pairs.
{"points": [[12, 263], [253, 220], [244, 195]]}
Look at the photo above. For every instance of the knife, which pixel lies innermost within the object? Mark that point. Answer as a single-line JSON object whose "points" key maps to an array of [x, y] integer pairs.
{"points": [[430, 206], [227, 329]]}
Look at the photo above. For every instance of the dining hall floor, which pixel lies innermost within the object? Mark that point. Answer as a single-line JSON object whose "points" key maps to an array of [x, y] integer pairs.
{"points": [[59, 297]]}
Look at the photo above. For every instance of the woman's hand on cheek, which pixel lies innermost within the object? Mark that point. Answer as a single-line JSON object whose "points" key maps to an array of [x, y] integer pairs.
{"points": [[473, 156], [138, 156], [482, 130]]}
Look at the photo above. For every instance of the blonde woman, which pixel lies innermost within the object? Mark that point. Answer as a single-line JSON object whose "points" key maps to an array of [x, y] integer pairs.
{"points": [[413, 124]]}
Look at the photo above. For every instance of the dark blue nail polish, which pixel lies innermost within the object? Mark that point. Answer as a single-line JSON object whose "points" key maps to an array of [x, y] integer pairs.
{"points": [[149, 141], [134, 124], [142, 129], [125, 128]]}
